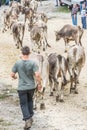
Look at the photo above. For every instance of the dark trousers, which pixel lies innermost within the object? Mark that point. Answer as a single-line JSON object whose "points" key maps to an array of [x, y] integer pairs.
{"points": [[26, 103], [83, 19], [0, 2]]}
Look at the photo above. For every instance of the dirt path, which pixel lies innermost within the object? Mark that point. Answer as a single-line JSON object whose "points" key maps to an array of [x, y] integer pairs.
{"points": [[70, 115]]}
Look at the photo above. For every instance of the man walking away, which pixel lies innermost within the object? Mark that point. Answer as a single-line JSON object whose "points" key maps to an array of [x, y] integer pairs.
{"points": [[27, 71]]}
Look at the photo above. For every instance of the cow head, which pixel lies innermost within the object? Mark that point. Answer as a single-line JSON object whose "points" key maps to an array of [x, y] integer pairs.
{"points": [[58, 35], [44, 17]]}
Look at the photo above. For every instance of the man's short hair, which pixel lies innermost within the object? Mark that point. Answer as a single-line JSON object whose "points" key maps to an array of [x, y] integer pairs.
{"points": [[25, 50]]}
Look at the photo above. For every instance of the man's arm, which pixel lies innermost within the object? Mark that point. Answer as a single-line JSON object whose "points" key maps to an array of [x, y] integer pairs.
{"points": [[13, 75], [38, 79]]}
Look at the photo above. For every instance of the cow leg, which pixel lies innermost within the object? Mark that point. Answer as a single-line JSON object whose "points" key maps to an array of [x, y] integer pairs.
{"points": [[76, 77], [42, 104], [75, 81], [71, 85], [57, 90], [35, 100], [17, 44], [45, 43], [62, 93], [66, 44], [33, 45], [64, 82], [20, 41], [44, 47], [80, 38], [51, 83]]}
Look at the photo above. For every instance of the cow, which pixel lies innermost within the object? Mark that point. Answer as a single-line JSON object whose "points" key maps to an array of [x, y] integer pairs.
{"points": [[29, 13], [25, 3], [34, 5], [69, 33], [57, 68], [11, 14], [40, 18], [43, 64], [38, 36], [18, 29], [6, 20], [76, 61], [43, 17]]}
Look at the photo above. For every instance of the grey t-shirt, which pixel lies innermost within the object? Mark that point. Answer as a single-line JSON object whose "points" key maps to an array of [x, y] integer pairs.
{"points": [[26, 70]]}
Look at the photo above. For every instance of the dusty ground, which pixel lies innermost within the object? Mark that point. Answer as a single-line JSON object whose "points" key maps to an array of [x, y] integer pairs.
{"points": [[70, 115]]}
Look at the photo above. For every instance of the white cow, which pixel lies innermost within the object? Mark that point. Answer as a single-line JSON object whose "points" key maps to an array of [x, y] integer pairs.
{"points": [[76, 61], [43, 64]]}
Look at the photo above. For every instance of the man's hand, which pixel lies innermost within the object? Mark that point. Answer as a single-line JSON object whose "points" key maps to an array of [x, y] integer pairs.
{"points": [[39, 87], [13, 75]]}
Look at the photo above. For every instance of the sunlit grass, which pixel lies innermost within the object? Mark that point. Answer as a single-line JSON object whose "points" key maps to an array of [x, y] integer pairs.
{"points": [[63, 9]]}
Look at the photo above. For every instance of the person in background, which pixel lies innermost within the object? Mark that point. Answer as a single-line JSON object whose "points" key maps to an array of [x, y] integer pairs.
{"points": [[56, 2], [86, 6], [74, 14], [7, 2], [81, 2], [27, 71], [0, 3], [83, 16]]}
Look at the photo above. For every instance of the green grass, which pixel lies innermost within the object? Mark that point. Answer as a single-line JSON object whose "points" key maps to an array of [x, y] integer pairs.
{"points": [[63, 9], [3, 96], [1, 120]]}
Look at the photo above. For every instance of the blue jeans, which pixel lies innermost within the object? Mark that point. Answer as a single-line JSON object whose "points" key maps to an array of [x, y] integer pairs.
{"points": [[26, 103], [83, 19], [7, 2], [74, 19], [0, 2]]}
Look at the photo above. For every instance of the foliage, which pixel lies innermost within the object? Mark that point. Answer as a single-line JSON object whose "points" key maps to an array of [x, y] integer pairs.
{"points": [[63, 9]]}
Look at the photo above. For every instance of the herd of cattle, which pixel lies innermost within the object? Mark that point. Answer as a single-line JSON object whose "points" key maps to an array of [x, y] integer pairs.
{"points": [[51, 66]]}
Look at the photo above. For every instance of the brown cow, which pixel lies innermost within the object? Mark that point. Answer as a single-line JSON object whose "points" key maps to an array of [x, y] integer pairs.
{"points": [[11, 14], [6, 22], [29, 13], [18, 29], [38, 37], [68, 33], [26, 3], [57, 68]]}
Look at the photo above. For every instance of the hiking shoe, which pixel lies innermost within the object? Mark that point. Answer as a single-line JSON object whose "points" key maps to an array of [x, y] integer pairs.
{"points": [[31, 120], [28, 124]]}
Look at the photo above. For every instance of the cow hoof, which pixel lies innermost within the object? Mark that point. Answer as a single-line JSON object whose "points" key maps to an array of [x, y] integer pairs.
{"points": [[57, 98], [54, 89], [42, 106], [43, 49], [77, 81], [76, 92], [72, 90], [38, 52], [51, 94], [17, 47], [35, 108], [61, 100], [65, 51]]}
